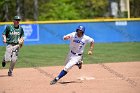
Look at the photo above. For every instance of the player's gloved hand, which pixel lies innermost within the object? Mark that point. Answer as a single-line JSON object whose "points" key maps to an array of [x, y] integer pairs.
{"points": [[89, 52], [20, 41]]}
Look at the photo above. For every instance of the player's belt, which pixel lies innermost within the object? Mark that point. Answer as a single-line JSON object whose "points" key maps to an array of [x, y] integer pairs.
{"points": [[76, 53], [13, 44]]}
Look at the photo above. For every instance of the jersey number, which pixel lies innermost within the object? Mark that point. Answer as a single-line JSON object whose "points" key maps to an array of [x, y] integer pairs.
{"points": [[80, 47]]}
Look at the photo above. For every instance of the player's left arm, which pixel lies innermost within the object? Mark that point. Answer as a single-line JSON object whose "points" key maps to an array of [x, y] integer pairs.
{"points": [[21, 39], [91, 48], [91, 41]]}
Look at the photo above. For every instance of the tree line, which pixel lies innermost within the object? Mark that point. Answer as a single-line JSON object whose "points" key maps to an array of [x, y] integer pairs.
{"points": [[42, 10]]}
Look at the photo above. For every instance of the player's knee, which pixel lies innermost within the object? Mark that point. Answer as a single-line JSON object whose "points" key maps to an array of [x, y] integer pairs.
{"points": [[7, 59], [66, 69], [14, 60]]}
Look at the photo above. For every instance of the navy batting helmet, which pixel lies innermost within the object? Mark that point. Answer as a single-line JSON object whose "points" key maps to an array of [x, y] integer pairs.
{"points": [[80, 27]]}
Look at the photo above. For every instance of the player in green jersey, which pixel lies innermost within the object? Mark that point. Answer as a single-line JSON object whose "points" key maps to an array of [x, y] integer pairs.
{"points": [[13, 37]]}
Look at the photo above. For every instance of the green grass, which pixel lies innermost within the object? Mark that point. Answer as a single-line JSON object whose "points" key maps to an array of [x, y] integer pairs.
{"points": [[50, 55]]}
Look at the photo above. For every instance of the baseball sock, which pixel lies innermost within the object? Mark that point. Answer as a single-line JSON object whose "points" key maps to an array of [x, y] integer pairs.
{"points": [[62, 73]]}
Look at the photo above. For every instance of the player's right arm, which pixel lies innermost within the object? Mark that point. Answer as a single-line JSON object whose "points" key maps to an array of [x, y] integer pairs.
{"points": [[4, 34], [4, 38], [68, 36]]}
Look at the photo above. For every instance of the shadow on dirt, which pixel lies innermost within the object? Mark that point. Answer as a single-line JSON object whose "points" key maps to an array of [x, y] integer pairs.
{"points": [[4, 76], [67, 82]]}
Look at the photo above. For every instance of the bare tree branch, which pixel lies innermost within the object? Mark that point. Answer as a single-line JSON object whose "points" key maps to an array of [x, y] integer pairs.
{"points": [[35, 10]]}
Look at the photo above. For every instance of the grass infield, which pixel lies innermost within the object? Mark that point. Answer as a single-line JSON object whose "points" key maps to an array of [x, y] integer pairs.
{"points": [[54, 55]]}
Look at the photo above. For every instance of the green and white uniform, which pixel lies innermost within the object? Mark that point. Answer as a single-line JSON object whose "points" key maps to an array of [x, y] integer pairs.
{"points": [[12, 35]]}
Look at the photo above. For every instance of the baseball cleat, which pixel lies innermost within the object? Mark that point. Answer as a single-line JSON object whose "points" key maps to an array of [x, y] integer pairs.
{"points": [[79, 65], [3, 63], [9, 73], [53, 81]]}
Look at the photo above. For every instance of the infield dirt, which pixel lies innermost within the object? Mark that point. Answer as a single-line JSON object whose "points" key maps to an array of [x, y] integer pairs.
{"points": [[92, 78]]}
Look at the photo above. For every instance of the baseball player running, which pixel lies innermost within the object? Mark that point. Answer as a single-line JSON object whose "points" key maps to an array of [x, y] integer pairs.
{"points": [[78, 40], [13, 37]]}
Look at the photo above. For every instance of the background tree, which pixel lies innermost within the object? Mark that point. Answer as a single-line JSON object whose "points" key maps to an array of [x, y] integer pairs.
{"points": [[60, 9], [35, 10], [4, 10], [91, 8], [135, 8], [20, 8]]}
